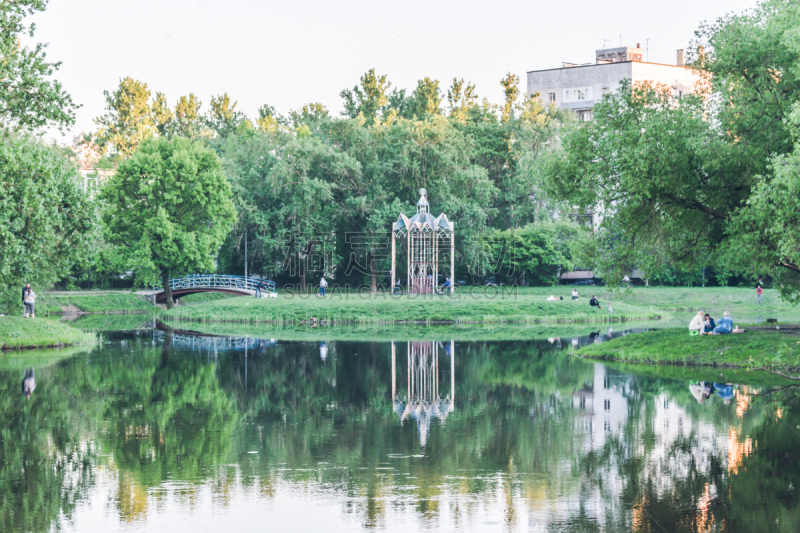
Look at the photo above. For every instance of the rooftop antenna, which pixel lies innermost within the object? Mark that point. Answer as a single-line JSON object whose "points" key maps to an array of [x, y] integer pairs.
{"points": [[647, 50], [604, 43], [620, 39]]}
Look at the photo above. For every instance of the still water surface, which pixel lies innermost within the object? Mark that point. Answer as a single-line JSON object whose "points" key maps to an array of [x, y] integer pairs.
{"points": [[165, 432]]}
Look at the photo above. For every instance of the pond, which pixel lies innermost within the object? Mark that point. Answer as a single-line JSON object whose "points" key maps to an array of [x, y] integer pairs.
{"points": [[163, 431]]}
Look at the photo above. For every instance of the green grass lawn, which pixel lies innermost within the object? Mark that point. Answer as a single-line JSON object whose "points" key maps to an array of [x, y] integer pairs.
{"points": [[105, 302], [740, 302], [16, 332], [202, 297], [391, 332], [461, 308], [676, 346]]}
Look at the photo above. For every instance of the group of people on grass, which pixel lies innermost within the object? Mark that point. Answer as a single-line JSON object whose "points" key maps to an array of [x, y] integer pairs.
{"points": [[593, 301], [704, 324]]}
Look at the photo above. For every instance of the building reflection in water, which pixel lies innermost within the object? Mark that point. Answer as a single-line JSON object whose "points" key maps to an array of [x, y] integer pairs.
{"points": [[423, 400]]}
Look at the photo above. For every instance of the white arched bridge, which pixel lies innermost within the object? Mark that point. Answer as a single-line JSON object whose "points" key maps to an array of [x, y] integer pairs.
{"points": [[236, 285]]}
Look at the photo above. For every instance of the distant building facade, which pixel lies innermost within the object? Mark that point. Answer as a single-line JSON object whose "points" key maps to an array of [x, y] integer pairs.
{"points": [[579, 87], [87, 155]]}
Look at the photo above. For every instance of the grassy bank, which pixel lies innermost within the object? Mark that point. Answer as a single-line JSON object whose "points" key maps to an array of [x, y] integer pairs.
{"points": [[87, 302], [677, 347], [18, 332], [110, 322], [463, 308], [38, 358], [740, 302], [202, 297], [393, 332]]}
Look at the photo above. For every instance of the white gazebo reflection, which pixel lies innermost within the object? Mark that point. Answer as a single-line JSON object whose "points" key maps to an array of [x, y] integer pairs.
{"points": [[423, 400]]}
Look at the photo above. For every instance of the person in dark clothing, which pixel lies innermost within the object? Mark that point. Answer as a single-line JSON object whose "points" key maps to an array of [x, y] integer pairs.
{"points": [[709, 323], [28, 383], [259, 288], [594, 303]]}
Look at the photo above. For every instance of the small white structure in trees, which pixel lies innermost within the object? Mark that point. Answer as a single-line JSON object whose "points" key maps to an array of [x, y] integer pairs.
{"points": [[425, 234]]}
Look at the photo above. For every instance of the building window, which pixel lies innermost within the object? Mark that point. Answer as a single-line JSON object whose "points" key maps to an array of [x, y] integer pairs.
{"points": [[551, 97], [605, 90]]}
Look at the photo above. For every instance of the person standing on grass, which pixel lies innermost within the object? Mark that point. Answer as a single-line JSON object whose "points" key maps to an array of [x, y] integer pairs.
{"points": [[759, 291], [258, 289], [322, 286], [29, 300]]}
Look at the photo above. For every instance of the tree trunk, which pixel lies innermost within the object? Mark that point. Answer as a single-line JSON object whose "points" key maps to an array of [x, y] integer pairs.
{"points": [[167, 347], [167, 290], [373, 274], [302, 283]]}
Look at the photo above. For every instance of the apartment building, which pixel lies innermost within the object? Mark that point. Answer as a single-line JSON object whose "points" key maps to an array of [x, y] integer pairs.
{"points": [[578, 87]]}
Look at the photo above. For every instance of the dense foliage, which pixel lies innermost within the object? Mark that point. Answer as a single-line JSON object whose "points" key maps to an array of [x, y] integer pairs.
{"points": [[168, 209], [45, 219], [29, 98], [316, 194], [703, 180]]}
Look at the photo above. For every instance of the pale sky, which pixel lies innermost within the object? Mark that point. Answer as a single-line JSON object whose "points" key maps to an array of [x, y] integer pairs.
{"points": [[287, 54]]}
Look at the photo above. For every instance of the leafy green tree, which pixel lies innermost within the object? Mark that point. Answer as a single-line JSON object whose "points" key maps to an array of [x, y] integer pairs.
{"points": [[533, 255], [29, 98], [303, 182], [162, 114], [169, 205], [461, 98], [46, 220], [129, 117], [368, 99], [400, 105], [427, 98], [268, 119], [309, 114], [703, 179], [659, 168], [511, 93], [222, 117], [248, 158], [767, 229], [187, 121]]}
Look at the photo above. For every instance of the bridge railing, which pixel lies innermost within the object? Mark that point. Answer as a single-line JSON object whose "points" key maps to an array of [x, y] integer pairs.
{"points": [[214, 344], [217, 281]]}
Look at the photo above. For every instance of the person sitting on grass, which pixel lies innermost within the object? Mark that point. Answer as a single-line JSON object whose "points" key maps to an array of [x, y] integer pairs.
{"points": [[574, 294], [708, 323], [696, 325], [725, 324], [446, 286], [593, 302]]}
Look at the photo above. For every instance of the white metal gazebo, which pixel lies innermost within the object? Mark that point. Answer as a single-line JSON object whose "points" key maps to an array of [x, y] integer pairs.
{"points": [[424, 233]]}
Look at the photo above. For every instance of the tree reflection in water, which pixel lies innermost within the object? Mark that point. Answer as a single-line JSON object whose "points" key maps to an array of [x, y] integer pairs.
{"points": [[542, 440]]}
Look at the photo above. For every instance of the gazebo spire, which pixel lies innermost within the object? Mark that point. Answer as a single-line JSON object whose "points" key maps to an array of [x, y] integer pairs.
{"points": [[422, 205]]}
